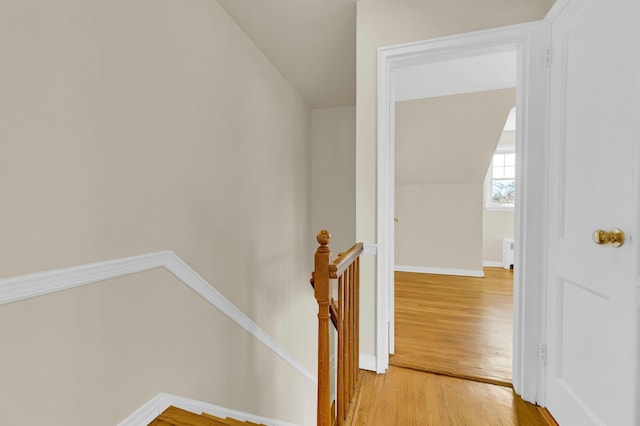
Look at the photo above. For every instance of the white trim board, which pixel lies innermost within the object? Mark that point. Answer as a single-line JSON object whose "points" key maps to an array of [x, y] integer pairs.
{"points": [[493, 263], [368, 362], [370, 249], [41, 283], [478, 273], [152, 408]]}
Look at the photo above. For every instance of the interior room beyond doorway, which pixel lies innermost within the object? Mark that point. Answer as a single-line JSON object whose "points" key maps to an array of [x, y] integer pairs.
{"points": [[454, 213]]}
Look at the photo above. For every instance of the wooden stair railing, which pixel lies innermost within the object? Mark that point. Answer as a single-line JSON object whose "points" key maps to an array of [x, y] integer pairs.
{"points": [[344, 313]]}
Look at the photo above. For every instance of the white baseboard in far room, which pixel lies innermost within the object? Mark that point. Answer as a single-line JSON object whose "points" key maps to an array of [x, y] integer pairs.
{"points": [[492, 263], [441, 271]]}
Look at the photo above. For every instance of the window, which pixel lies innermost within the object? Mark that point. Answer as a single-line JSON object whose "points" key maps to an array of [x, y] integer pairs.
{"points": [[500, 191]]}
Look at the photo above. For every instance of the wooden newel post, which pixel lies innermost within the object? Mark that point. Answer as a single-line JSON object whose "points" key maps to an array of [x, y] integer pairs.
{"points": [[323, 297]]}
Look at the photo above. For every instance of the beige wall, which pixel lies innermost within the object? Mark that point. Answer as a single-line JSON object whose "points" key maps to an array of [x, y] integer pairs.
{"points": [[449, 139], [496, 226], [384, 23], [92, 355], [135, 126], [440, 226], [333, 204], [443, 146]]}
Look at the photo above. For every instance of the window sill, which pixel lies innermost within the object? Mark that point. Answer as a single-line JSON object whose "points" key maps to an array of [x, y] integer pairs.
{"points": [[499, 208]]}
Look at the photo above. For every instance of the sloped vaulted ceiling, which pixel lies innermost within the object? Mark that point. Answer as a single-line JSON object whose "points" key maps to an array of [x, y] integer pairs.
{"points": [[311, 42], [449, 139]]}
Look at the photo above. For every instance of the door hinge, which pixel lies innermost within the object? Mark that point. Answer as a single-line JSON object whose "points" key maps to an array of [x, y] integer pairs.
{"points": [[546, 58], [543, 353]]}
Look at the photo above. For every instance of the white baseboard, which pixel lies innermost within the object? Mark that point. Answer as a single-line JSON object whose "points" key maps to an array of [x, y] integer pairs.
{"points": [[41, 283], [149, 411], [441, 271], [368, 362], [492, 263]]}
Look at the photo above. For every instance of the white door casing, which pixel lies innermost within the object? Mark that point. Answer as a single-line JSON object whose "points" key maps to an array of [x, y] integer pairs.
{"points": [[530, 42], [592, 290]]}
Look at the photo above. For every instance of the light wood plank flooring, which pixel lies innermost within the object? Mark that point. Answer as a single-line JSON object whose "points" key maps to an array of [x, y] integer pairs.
{"points": [[405, 397], [459, 326], [453, 326]]}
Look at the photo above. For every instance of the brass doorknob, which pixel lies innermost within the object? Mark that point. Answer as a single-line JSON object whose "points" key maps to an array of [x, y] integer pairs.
{"points": [[396, 220], [614, 237]]}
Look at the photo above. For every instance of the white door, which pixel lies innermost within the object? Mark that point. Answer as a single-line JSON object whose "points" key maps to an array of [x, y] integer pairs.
{"points": [[592, 292]]}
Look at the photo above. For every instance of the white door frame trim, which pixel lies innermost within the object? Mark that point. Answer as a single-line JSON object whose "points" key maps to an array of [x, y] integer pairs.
{"points": [[530, 41]]}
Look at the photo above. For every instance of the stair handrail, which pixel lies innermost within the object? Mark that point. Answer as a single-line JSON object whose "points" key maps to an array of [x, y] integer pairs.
{"points": [[344, 314]]}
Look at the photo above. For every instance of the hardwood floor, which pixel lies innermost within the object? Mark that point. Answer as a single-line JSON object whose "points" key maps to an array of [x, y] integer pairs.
{"points": [[404, 397], [458, 326], [454, 326]]}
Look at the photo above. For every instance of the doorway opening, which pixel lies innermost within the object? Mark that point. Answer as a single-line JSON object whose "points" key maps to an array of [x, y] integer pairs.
{"points": [[528, 42], [454, 208]]}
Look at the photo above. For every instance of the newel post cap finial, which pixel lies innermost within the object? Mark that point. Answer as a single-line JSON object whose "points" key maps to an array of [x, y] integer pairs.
{"points": [[323, 237]]}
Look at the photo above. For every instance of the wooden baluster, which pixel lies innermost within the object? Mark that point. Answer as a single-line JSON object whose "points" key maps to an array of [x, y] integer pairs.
{"points": [[340, 378], [352, 332], [351, 335], [345, 279], [322, 292], [347, 345], [356, 333], [357, 313]]}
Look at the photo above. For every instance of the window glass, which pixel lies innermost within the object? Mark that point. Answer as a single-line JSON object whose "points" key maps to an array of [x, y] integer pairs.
{"points": [[501, 180]]}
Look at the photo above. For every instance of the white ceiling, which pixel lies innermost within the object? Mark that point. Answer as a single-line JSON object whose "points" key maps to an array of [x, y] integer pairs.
{"points": [[311, 42], [466, 75]]}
